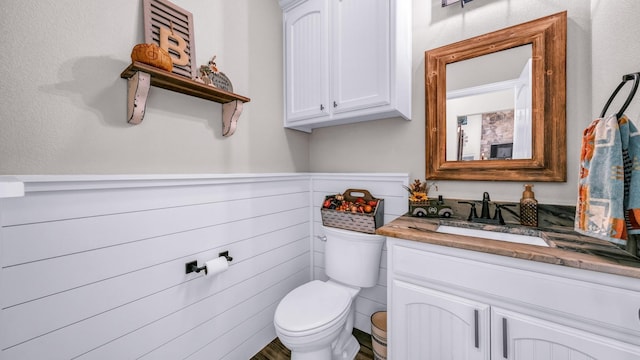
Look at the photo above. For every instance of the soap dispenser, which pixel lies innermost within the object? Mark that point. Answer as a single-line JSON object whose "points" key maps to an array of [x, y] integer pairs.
{"points": [[528, 207]]}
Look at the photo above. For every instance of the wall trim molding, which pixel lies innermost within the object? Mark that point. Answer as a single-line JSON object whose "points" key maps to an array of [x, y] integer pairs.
{"points": [[19, 185]]}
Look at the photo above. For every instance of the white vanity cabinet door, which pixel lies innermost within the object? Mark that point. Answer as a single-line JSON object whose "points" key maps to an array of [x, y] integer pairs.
{"points": [[429, 324], [306, 61], [517, 336], [360, 54], [551, 312]]}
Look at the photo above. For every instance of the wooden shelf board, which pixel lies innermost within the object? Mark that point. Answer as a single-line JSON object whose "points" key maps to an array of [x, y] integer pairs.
{"points": [[166, 80]]}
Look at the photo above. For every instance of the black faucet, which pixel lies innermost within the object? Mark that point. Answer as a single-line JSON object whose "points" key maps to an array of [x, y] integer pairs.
{"points": [[497, 216], [484, 214], [485, 217], [473, 214]]}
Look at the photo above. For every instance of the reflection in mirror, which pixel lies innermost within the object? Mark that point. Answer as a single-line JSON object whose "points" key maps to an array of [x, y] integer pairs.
{"points": [[480, 106], [489, 106]]}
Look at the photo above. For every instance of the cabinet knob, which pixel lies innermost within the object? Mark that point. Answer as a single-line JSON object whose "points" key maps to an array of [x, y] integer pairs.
{"points": [[321, 107], [335, 104]]}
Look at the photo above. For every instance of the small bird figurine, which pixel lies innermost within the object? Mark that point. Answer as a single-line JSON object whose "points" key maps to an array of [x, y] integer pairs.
{"points": [[212, 64]]}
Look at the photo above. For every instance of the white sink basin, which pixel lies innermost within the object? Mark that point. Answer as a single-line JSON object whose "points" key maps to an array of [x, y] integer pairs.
{"points": [[493, 235]]}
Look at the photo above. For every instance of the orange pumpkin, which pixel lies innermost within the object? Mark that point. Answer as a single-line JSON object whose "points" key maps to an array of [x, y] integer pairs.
{"points": [[152, 54]]}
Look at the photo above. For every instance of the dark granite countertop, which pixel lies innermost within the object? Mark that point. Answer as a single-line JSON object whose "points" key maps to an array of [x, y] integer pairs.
{"points": [[566, 247]]}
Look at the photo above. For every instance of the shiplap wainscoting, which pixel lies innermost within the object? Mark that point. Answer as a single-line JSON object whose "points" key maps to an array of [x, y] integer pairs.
{"points": [[94, 267]]}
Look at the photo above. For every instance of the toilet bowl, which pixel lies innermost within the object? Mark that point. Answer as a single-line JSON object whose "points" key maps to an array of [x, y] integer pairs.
{"points": [[311, 317], [315, 320]]}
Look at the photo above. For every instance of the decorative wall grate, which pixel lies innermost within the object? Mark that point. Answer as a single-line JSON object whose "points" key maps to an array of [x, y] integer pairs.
{"points": [[163, 14]]}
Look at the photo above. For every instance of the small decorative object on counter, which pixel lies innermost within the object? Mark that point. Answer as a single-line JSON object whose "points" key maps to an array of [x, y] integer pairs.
{"points": [[355, 210], [528, 207], [419, 191], [421, 206], [430, 208]]}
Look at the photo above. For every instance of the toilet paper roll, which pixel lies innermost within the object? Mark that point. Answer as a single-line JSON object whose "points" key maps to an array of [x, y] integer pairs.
{"points": [[216, 266]]}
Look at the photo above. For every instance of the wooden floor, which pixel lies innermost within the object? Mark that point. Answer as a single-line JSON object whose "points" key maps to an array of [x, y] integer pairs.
{"points": [[276, 351]]}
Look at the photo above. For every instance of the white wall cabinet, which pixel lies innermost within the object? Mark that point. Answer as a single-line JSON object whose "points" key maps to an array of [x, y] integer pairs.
{"points": [[346, 61], [447, 303]]}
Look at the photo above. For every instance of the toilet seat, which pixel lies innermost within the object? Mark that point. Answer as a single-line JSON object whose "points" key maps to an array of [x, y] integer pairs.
{"points": [[312, 308]]}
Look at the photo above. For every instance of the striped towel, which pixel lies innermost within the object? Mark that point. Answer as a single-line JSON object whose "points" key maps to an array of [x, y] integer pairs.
{"points": [[609, 184]]}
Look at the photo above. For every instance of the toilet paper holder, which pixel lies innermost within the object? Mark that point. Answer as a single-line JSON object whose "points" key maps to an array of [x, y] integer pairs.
{"points": [[192, 266]]}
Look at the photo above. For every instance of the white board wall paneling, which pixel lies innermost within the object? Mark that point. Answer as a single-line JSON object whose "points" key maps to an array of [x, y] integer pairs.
{"points": [[253, 344], [226, 313], [94, 332], [89, 299], [78, 199], [2, 276], [61, 273], [364, 309], [50, 235], [102, 328], [94, 311], [349, 179], [225, 344], [104, 259], [49, 240]]}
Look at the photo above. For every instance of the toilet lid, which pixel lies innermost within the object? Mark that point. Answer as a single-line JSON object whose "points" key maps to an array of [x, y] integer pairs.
{"points": [[312, 305]]}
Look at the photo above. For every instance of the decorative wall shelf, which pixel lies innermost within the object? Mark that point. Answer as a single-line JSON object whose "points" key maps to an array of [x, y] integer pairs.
{"points": [[141, 76]]}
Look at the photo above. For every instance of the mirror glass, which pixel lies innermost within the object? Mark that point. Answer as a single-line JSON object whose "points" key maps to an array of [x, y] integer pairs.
{"points": [[495, 105], [489, 106]]}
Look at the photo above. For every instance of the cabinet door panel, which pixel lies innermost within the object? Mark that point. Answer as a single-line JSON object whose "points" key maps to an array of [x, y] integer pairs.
{"points": [[360, 53], [306, 61], [576, 299], [529, 338], [428, 324]]}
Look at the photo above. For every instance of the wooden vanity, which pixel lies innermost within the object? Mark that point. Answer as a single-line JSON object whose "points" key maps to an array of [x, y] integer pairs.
{"points": [[461, 297]]}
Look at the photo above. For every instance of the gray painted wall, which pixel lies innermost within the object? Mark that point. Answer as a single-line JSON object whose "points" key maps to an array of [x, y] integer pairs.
{"points": [[64, 103], [399, 146]]}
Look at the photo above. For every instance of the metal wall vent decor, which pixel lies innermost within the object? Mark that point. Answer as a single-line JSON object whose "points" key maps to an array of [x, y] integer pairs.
{"points": [[171, 27]]}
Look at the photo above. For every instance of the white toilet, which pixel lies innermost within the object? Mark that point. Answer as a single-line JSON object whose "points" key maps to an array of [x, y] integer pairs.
{"points": [[315, 320]]}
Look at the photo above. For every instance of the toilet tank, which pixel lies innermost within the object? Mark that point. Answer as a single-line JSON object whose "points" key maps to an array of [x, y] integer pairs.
{"points": [[351, 257]]}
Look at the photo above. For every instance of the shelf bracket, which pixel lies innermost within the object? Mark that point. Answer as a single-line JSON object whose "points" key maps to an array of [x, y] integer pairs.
{"points": [[140, 77], [230, 113], [137, 92]]}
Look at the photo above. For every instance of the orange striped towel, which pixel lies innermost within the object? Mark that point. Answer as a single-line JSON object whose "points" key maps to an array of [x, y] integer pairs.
{"points": [[609, 183]]}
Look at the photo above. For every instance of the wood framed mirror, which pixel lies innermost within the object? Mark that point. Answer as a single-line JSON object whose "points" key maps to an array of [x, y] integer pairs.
{"points": [[532, 146]]}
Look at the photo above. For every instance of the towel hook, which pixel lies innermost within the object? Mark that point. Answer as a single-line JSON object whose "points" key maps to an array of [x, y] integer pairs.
{"points": [[625, 78]]}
